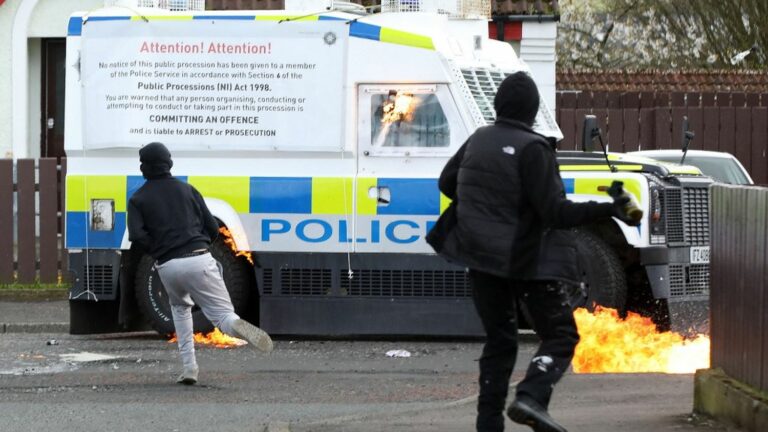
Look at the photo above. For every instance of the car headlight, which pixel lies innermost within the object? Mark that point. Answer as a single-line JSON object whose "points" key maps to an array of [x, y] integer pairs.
{"points": [[658, 230]]}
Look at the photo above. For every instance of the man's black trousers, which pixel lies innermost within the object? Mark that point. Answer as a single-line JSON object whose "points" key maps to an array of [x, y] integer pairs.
{"points": [[548, 311]]}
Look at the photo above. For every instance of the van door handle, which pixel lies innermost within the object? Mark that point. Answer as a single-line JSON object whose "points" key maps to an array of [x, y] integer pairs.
{"points": [[381, 194]]}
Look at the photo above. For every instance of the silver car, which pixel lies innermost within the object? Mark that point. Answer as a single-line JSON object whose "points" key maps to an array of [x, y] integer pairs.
{"points": [[721, 166]]}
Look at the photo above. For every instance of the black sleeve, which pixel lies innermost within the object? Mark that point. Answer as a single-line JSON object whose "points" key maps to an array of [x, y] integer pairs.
{"points": [[210, 226], [137, 232], [449, 176], [544, 190]]}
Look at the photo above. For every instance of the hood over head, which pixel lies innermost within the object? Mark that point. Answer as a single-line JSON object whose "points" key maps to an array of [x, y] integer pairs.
{"points": [[517, 98], [155, 160]]}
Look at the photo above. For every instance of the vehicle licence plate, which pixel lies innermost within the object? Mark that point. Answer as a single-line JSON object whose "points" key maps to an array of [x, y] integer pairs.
{"points": [[700, 255]]}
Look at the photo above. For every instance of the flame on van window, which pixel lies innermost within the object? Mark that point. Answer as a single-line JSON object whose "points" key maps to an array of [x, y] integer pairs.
{"points": [[398, 107], [216, 339], [231, 243], [610, 344]]}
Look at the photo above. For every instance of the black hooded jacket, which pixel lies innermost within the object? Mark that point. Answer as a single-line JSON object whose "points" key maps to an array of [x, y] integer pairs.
{"points": [[506, 184], [167, 217]]}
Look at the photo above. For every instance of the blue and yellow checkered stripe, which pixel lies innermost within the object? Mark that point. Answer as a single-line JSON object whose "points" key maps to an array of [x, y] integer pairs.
{"points": [[356, 29], [589, 186], [323, 196]]}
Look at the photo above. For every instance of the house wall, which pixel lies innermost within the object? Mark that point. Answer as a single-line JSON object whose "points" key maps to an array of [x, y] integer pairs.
{"points": [[22, 25]]}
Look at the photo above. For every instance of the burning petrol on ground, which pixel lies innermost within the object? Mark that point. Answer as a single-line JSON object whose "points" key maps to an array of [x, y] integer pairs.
{"points": [[610, 344]]}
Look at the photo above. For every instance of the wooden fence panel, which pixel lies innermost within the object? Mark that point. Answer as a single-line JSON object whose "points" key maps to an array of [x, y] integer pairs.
{"points": [[62, 217], [6, 221], [678, 99], [758, 164], [727, 130], [584, 100], [616, 130], [569, 100], [707, 99], [764, 354], [568, 127], [738, 100], [723, 99], [599, 100], [739, 272], [647, 138], [752, 293], [631, 100], [711, 130], [663, 125], [48, 221], [678, 113], [614, 100], [579, 119], [648, 100], [631, 120], [693, 100], [696, 125], [25, 169], [743, 135]]}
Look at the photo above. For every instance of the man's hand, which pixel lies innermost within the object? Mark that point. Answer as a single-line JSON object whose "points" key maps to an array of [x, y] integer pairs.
{"points": [[625, 208], [626, 212]]}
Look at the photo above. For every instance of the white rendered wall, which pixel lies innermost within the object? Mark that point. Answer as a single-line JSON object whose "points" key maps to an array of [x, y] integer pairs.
{"points": [[537, 49], [20, 67]]}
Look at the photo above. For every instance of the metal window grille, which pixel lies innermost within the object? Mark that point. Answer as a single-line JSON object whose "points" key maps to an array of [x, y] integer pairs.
{"points": [[696, 215], [309, 282], [406, 283], [468, 9], [685, 280], [171, 5], [674, 214], [483, 84]]}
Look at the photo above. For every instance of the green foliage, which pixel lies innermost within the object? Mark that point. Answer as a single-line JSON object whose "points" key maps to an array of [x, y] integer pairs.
{"points": [[35, 286]]}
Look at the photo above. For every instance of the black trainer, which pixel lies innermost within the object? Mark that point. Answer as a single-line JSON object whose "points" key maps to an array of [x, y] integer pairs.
{"points": [[530, 413]]}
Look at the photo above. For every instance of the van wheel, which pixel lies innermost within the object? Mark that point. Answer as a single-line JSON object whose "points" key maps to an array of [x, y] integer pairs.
{"points": [[605, 283], [153, 302]]}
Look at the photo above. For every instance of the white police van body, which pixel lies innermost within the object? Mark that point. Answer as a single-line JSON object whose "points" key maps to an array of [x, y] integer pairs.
{"points": [[316, 138]]}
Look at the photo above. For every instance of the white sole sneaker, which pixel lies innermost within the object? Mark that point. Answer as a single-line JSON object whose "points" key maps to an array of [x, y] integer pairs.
{"points": [[256, 337], [188, 376]]}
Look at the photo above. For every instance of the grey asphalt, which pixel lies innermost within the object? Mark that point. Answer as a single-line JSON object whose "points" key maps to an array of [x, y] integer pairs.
{"points": [[302, 386]]}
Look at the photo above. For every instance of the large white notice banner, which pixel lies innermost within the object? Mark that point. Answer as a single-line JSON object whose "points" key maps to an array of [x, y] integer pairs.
{"points": [[214, 84]]}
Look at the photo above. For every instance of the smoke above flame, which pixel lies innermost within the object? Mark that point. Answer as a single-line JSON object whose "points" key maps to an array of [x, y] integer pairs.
{"points": [[610, 344], [215, 338], [231, 243]]}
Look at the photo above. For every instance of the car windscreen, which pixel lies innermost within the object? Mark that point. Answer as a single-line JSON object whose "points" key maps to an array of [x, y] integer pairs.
{"points": [[721, 169]]}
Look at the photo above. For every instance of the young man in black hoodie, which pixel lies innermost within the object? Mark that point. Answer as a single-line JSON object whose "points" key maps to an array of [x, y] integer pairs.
{"points": [[169, 220], [510, 203]]}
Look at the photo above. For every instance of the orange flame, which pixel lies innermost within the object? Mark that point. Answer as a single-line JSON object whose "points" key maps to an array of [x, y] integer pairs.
{"points": [[231, 243], [610, 344], [215, 338], [399, 109]]}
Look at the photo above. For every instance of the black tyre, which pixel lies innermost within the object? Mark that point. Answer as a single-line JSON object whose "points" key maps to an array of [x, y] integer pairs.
{"points": [[605, 282], [152, 299]]}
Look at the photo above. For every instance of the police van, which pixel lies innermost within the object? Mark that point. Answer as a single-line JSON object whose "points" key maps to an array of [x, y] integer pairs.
{"points": [[316, 137]]}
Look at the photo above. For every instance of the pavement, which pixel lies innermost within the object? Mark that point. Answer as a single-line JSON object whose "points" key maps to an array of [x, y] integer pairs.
{"points": [[318, 386], [34, 316]]}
